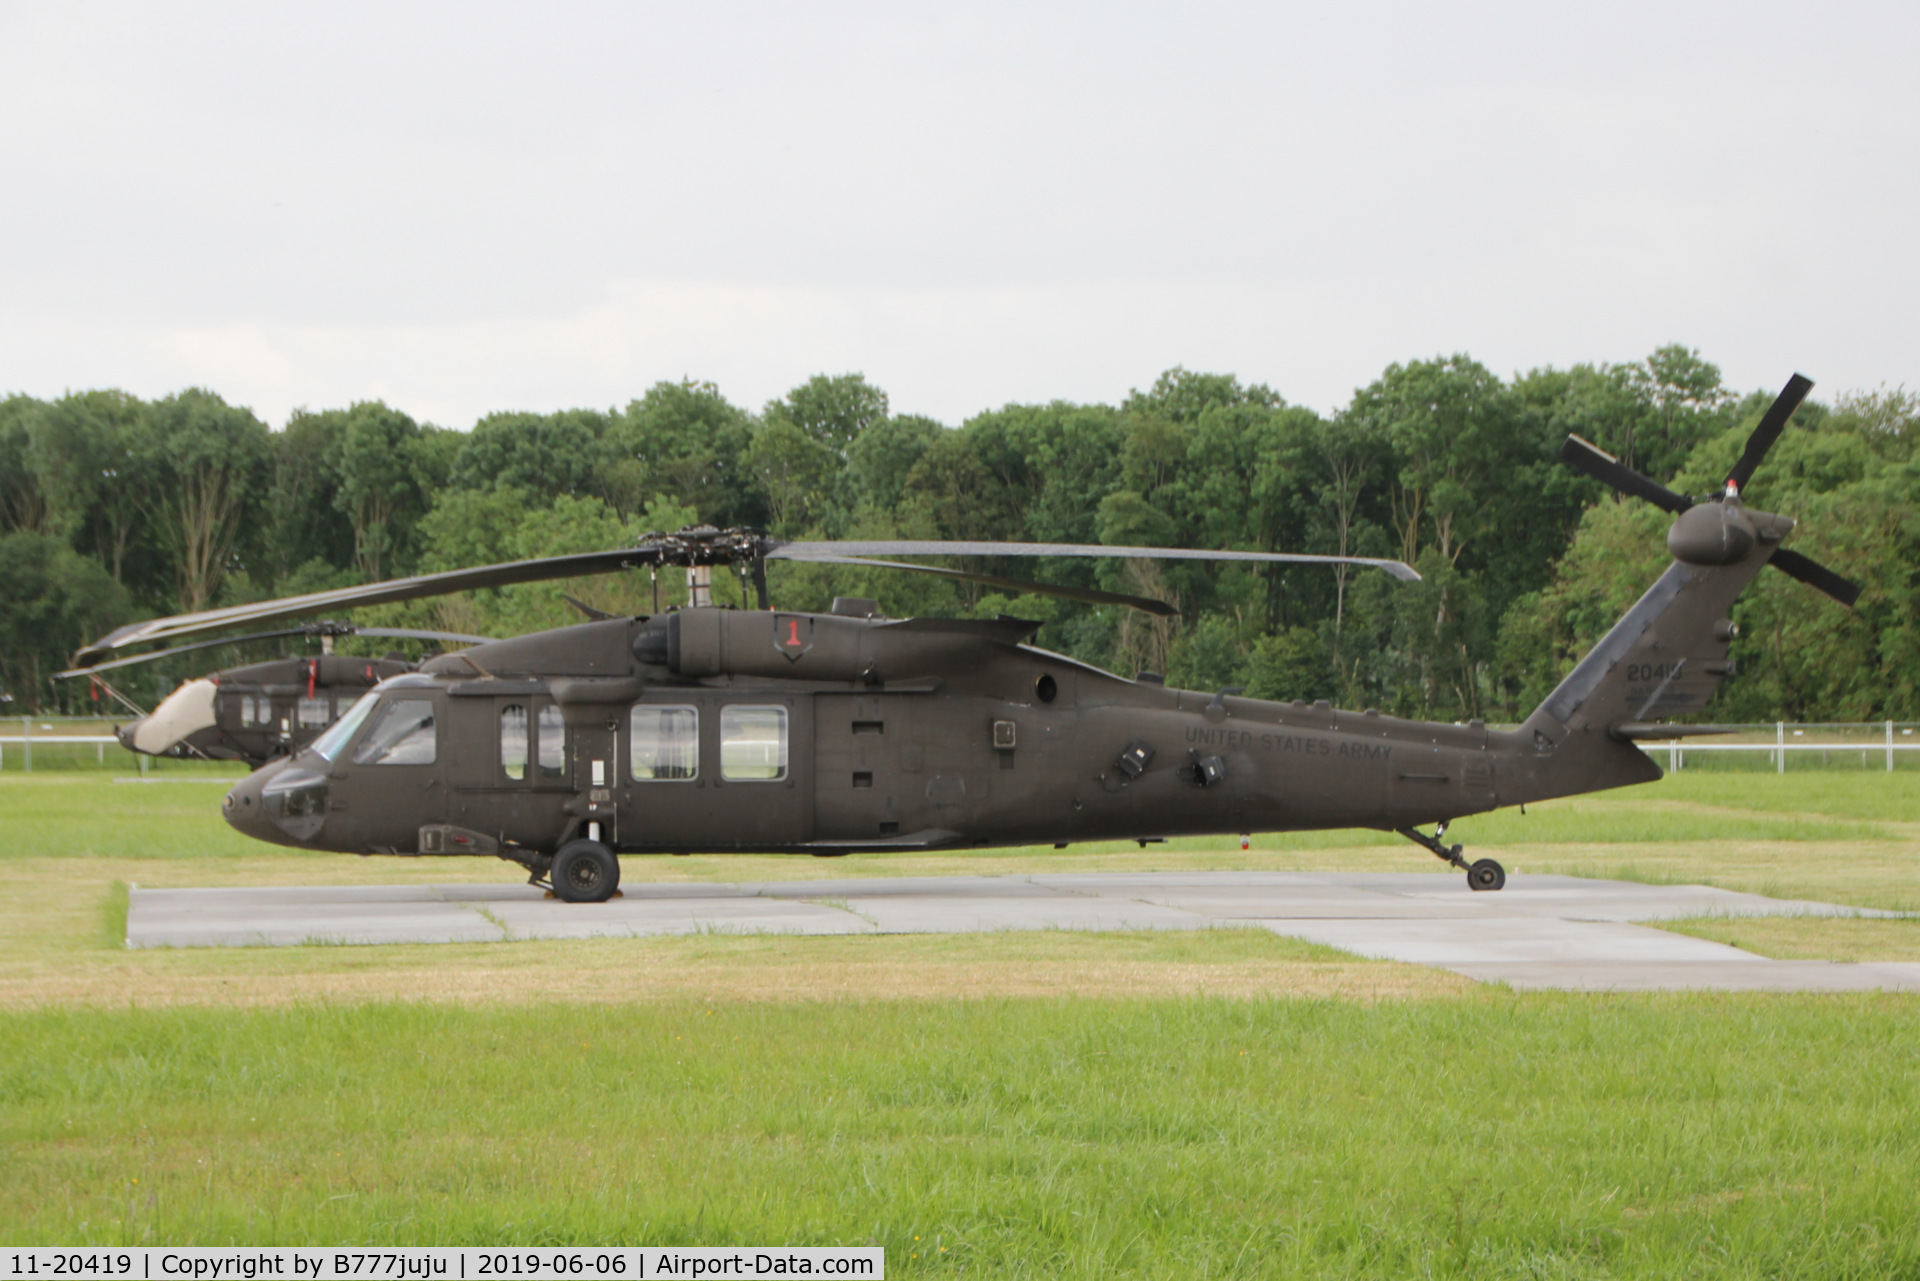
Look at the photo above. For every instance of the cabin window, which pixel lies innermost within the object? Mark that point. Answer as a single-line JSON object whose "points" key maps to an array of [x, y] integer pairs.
{"points": [[513, 742], [402, 734], [246, 710], [664, 742], [553, 742], [753, 743], [263, 710], [312, 712]]}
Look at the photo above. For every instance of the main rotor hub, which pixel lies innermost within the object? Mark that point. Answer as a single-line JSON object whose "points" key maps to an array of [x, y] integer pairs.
{"points": [[697, 545]]}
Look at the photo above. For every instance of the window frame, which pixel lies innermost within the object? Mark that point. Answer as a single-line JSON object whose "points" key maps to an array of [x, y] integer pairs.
{"points": [[545, 715], [379, 715], [786, 741], [633, 751], [526, 741]]}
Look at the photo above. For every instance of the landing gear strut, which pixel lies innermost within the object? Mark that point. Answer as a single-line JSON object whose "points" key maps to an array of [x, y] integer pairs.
{"points": [[1483, 874]]}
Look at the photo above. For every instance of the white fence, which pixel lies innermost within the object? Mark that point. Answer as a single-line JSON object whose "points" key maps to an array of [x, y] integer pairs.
{"points": [[26, 741], [56, 732], [1874, 743]]}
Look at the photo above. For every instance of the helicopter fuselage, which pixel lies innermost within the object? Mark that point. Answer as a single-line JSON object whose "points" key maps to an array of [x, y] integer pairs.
{"points": [[723, 730]]}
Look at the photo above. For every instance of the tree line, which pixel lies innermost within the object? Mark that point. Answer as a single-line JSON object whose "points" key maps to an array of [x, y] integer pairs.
{"points": [[114, 508]]}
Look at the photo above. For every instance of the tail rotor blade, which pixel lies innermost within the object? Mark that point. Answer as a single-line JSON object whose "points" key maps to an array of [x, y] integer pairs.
{"points": [[1769, 429], [1584, 456], [1815, 575]]}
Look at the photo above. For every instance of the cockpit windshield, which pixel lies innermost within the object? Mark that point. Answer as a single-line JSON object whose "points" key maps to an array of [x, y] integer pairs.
{"points": [[341, 731]]}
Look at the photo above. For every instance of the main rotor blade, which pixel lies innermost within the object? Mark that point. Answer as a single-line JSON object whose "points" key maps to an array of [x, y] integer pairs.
{"points": [[935, 547], [701, 546], [578, 565], [1090, 595], [324, 629], [415, 633], [1585, 456], [1815, 575], [1771, 425]]}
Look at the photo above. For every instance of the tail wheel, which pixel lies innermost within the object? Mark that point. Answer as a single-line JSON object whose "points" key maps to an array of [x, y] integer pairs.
{"points": [[1485, 874], [585, 872]]}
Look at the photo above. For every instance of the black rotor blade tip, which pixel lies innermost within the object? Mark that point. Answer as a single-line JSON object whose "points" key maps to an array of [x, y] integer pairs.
{"points": [[1771, 424], [1583, 456], [1817, 576]]}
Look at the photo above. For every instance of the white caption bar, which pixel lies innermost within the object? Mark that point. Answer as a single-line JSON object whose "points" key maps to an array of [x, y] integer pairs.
{"points": [[434, 1263]]}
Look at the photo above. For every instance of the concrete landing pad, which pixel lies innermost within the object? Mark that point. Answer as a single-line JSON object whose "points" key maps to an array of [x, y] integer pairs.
{"points": [[1540, 932]]}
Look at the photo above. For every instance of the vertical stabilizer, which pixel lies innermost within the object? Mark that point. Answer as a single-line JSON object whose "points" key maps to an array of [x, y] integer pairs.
{"points": [[1668, 654]]}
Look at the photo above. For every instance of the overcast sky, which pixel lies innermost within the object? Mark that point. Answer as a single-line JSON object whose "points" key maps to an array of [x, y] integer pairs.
{"points": [[463, 208]]}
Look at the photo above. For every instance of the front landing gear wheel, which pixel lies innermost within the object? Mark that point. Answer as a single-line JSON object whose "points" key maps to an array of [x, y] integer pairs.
{"points": [[1486, 875], [585, 872]]}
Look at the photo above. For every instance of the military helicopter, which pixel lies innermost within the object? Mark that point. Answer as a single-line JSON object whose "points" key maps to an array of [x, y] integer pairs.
{"points": [[256, 712], [710, 729]]}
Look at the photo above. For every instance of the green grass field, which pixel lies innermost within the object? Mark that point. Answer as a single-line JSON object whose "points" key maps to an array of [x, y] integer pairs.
{"points": [[1496, 1136], [1221, 1103]]}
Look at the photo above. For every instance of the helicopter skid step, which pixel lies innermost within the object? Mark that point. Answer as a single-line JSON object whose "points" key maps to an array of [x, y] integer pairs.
{"points": [[930, 838]]}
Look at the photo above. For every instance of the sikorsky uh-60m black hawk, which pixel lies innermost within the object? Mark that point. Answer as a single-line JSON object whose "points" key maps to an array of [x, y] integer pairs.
{"points": [[258, 711], [708, 729]]}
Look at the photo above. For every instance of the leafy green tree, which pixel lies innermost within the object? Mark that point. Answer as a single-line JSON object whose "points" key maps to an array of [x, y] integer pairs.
{"points": [[1450, 424], [1182, 396], [1209, 657], [549, 454], [22, 504], [1290, 665], [309, 524], [209, 460], [52, 600], [880, 459], [793, 471], [833, 411], [434, 453], [87, 454], [485, 527], [373, 460], [1347, 462], [686, 441], [1649, 414]]}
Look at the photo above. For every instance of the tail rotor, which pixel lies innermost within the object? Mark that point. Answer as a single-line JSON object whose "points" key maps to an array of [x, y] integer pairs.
{"points": [[1718, 536]]}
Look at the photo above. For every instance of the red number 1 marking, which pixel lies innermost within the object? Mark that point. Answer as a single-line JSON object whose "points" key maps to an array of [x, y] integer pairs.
{"points": [[793, 631]]}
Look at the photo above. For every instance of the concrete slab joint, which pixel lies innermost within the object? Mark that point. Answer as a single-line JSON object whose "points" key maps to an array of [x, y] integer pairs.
{"points": [[1540, 932]]}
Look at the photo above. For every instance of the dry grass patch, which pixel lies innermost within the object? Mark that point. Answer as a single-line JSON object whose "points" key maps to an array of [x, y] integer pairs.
{"points": [[1878, 874], [1229, 963], [1810, 938]]}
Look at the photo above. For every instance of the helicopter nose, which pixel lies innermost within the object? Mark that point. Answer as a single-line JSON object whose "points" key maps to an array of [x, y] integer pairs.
{"points": [[284, 802], [245, 807], [242, 808], [125, 733]]}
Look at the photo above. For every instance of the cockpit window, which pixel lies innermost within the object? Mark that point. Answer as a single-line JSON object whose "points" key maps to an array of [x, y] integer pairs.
{"points": [[342, 731], [402, 736]]}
